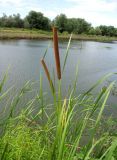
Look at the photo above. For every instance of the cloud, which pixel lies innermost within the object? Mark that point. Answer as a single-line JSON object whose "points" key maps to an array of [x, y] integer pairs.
{"points": [[95, 19], [10, 2], [95, 5], [18, 6], [94, 11]]}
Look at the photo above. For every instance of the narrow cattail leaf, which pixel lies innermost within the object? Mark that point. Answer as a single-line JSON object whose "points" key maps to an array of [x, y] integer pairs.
{"points": [[56, 52], [67, 52], [46, 51], [4, 79]]}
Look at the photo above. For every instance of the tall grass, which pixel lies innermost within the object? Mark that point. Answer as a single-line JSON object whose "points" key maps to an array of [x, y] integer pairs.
{"points": [[68, 129]]}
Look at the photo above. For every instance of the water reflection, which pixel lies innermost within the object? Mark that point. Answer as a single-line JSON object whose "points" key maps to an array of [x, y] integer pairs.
{"points": [[95, 60]]}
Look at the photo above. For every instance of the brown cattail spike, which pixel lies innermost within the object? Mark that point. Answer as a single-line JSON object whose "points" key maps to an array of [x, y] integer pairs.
{"points": [[56, 52], [48, 75]]}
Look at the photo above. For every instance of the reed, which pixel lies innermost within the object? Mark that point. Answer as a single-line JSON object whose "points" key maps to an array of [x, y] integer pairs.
{"points": [[48, 75], [56, 52], [56, 131]]}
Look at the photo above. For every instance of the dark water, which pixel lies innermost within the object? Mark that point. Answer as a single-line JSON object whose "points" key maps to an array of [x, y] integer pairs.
{"points": [[94, 60]]}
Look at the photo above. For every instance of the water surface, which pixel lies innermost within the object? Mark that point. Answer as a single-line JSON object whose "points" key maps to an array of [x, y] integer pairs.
{"points": [[94, 60]]}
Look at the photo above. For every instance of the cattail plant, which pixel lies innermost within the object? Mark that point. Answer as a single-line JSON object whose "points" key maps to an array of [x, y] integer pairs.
{"points": [[57, 60], [47, 75], [56, 52]]}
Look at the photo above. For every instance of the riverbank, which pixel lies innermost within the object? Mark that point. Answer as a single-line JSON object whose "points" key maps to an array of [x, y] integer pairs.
{"points": [[39, 34]]}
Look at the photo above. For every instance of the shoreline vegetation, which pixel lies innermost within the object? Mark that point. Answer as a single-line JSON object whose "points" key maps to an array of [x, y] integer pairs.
{"points": [[72, 127], [36, 26], [13, 33]]}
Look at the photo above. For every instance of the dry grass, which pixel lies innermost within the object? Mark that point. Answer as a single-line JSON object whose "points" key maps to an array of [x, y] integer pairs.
{"points": [[39, 34]]}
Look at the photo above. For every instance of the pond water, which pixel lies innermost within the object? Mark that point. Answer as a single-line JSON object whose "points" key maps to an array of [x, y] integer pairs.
{"points": [[94, 60]]}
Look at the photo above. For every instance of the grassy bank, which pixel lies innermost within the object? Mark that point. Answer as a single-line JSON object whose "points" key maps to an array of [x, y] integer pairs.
{"points": [[70, 128], [39, 34]]}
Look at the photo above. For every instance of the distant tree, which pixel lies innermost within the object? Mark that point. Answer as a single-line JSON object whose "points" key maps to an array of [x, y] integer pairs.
{"points": [[82, 26], [78, 25], [115, 31], [71, 25], [46, 23], [111, 31], [11, 21], [17, 21], [37, 20], [95, 31], [104, 30], [107, 30], [7, 21], [26, 23], [61, 21], [3, 20], [92, 31], [98, 31], [67, 25]]}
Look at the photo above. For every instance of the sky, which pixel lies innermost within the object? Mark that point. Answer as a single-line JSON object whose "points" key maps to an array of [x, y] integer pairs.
{"points": [[96, 12]]}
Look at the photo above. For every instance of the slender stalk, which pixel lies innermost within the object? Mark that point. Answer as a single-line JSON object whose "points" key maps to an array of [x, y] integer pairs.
{"points": [[67, 52], [56, 52]]}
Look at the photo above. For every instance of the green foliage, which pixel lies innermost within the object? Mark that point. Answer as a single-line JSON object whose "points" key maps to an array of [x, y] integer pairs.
{"points": [[42, 131], [37, 20], [80, 25], [104, 31], [107, 30], [95, 31], [75, 25], [58, 135], [11, 21], [56, 131], [92, 31], [98, 31], [61, 22]]}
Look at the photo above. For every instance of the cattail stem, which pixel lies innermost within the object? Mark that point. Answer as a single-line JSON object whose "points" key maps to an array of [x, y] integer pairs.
{"points": [[48, 75], [56, 52]]}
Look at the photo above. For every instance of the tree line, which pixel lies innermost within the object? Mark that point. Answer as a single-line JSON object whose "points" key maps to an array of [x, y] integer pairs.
{"points": [[36, 20]]}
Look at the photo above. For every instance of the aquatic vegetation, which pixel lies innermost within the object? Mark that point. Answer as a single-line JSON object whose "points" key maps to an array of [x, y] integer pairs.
{"points": [[71, 128]]}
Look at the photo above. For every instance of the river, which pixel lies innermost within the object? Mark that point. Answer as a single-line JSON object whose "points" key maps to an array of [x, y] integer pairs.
{"points": [[94, 60]]}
